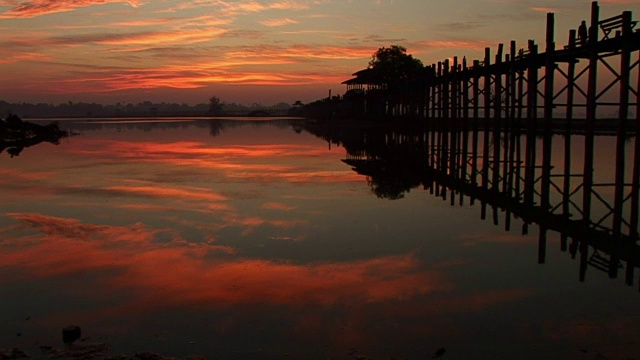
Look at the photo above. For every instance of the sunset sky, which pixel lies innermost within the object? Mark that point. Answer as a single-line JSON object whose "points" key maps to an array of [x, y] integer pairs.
{"points": [[246, 51]]}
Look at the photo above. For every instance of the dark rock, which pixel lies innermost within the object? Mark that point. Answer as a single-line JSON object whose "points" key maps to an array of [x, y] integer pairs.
{"points": [[148, 356], [439, 353], [71, 334], [14, 353]]}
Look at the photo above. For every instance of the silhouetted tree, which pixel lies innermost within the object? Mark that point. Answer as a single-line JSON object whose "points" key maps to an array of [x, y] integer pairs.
{"points": [[215, 106], [404, 77], [393, 66]]}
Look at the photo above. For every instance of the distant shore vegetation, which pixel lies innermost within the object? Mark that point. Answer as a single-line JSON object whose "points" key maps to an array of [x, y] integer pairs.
{"points": [[140, 109]]}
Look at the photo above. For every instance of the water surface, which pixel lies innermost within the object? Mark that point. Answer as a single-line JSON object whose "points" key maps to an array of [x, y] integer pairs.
{"points": [[255, 240]]}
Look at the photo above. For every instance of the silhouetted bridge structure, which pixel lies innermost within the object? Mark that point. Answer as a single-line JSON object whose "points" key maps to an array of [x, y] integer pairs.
{"points": [[489, 129], [591, 82], [513, 88], [514, 173]]}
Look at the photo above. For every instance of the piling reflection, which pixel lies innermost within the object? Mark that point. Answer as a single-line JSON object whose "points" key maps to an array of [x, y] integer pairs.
{"points": [[580, 186]]}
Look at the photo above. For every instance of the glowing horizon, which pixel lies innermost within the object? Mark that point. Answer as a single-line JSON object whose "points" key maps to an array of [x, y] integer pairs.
{"points": [[265, 51]]}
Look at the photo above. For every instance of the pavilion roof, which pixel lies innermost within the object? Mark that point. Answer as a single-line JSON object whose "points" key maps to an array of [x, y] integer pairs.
{"points": [[364, 77]]}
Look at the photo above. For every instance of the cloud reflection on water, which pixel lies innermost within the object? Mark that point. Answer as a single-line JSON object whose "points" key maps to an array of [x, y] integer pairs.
{"points": [[159, 264]]}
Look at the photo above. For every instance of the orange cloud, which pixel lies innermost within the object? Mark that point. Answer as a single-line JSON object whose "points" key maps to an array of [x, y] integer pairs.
{"points": [[195, 275], [278, 22], [193, 149], [15, 57], [127, 79], [27, 9], [17, 176], [227, 8], [156, 191], [544, 9], [182, 37], [304, 51], [143, 22], [289, 5], [455, 44], [278, 206], [234, 161]]}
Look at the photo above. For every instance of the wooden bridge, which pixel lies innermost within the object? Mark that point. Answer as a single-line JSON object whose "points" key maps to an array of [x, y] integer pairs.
{"points": [[487, 134], [527, 84], [513, 174]]}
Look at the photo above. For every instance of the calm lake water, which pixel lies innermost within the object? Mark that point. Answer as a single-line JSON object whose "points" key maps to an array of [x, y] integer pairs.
{"points": [[255, 240]]}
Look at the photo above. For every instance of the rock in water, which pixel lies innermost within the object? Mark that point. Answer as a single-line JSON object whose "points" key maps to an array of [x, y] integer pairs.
{"points": [[439, 353], [71, 334]]}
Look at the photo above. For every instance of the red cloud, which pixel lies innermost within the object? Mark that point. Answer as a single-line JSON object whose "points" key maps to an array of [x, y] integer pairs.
{"points": [[67, 246]]}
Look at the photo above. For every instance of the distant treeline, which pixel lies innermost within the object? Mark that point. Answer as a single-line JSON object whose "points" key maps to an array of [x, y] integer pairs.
{"points": [[145, 108]]}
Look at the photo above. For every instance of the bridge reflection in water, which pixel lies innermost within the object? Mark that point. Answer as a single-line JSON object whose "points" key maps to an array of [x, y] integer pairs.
{"points": [[584, 187]]}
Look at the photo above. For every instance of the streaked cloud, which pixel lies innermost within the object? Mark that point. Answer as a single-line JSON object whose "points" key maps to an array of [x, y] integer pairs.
{"points": [[544, 9], [33, 8], [161, 48], [228, 8], [304, 51], [455, 44], [278, 206], [191, 193], [278, 22], [140, 38], [237, 163], [138, 253], [24, 56]]}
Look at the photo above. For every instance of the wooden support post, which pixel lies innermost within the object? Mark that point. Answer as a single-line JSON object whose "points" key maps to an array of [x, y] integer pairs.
{"points": [[550, 69], [475, 125], [587, 188], [545, 183], [476, 92], [487, 118], [520, 102], [623, 113], [507, 92], [512, 82], [432, 154], [497, 116], [507, 129], [566, 186], [440, 87], [497, 102], [454, 118], [465, 93], [584, 258], [545, 192], [510, 159], [542, 244], [465, 124], [434, 92], [446, 92], [532, 109], [426, 98], [438, 154], [518, 173], [474, 161], [635, 178]]}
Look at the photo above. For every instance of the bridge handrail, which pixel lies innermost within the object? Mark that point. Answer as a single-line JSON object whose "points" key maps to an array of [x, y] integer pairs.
{"points": [[613, 23]]}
